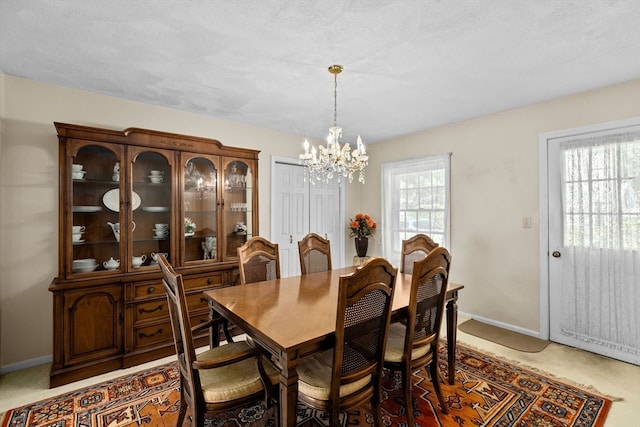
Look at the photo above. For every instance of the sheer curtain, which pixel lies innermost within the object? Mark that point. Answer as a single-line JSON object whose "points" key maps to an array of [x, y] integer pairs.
{"points": [[601, 210]]}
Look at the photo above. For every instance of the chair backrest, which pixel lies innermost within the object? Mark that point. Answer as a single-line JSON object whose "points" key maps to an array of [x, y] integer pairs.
{"points": [[185, 349], [426, 303], [364, 311], [315, 254], [413, 249], [259, 260]]}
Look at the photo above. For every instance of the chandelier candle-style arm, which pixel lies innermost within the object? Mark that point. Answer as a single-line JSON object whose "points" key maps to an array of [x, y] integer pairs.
{"points": [[324, 163]]}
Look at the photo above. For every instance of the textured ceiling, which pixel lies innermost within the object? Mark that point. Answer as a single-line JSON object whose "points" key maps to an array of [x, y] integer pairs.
{"points": [[409, 65]]}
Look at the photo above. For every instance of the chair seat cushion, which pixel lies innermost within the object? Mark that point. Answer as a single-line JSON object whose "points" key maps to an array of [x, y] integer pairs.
{"points": [[233, 381], [314, 375], [395, 345]]}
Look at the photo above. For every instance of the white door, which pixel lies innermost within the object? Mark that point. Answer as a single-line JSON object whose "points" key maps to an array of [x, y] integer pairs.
{"points": [[324, 202], [299, 208], [594, 241], [290, 214]]}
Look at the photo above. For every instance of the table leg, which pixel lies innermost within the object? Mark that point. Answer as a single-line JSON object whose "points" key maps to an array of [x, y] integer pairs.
{"points": [[452, 328], [214, 330], [288, 394]]}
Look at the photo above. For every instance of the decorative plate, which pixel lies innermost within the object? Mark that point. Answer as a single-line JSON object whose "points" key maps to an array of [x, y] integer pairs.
{"points": [[111, 200], [87, 208]]}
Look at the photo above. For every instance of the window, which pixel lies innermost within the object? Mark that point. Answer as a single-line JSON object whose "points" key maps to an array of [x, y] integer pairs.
{"points": [[415, 199]]}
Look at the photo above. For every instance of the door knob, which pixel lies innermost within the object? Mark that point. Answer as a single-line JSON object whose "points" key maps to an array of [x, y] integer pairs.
{"points": [[556, 254]]}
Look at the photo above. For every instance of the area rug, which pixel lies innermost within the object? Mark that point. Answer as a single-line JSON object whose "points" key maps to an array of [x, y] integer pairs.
{"points": [[503, 336], [488, 391]]}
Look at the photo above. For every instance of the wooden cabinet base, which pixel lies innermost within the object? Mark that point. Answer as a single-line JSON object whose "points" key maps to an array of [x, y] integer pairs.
{"points": [[122, 324], [62, 376]]}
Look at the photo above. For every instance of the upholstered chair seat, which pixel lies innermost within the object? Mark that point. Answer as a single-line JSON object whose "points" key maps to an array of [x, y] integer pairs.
{"points": [[395, 345], [234, 381], [314, 377]]}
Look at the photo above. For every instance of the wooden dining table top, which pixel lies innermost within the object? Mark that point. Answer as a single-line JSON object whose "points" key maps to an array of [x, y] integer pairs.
{"points": [[294, 310]]}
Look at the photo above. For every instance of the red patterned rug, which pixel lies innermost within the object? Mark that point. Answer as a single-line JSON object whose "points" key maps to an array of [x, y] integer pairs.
{"points": [[488, 392]]}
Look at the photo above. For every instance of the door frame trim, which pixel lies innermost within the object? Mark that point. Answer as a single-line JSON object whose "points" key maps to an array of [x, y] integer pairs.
{"points": [[543, 183]]}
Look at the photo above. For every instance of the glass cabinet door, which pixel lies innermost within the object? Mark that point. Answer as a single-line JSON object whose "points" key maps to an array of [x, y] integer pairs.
{"points": [[200, 202], [92, 229], [238, 206], [151, 202]]}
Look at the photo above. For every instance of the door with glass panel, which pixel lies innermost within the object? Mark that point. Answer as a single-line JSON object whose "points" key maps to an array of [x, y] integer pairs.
{"points": [[594, 241], [150, 226], [239, 200], [200, 207]]}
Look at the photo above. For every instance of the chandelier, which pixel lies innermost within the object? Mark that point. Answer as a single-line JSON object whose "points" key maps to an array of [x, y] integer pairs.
{"points": [[333, 159]]}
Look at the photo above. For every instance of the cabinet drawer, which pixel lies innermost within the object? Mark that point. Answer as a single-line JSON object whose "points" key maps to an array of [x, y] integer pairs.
{"points": [[158, 308], [196, 301], [162, 333], [151, 335], [148, 289], [150, 310], [210, 280]]}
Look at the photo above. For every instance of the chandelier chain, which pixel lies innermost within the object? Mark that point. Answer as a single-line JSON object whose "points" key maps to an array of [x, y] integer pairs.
{"points": [[335, 100]]}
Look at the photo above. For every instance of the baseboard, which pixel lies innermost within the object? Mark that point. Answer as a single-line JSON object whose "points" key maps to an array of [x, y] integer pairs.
{"points": [[26, 364], [502, 325]]}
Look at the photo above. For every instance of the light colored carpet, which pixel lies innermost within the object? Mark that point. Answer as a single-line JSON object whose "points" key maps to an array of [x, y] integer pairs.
{"points": [[503, 337]]}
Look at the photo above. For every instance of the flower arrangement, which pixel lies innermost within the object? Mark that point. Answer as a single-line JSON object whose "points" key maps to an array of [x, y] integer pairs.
{"points": [[240, 228], [362, 225], [189, 225]]}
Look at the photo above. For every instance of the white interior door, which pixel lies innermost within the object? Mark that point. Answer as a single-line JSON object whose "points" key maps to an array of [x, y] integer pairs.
{"points": [[290, 214], [325, 219], [299, 208], [594, 241]]}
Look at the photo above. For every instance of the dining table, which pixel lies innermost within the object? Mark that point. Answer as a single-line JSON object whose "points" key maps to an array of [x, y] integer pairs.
{"points": [[294, 317]]}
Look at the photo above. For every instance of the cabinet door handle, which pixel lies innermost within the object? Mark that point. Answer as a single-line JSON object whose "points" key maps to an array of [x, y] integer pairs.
{"points": [[209, 281], [150, 289], [144, 310], [290, 238], [143, 335]]}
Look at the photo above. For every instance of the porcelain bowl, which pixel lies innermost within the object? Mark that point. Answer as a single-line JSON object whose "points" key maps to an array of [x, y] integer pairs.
{"points": [[84, 262], [85, 269]]}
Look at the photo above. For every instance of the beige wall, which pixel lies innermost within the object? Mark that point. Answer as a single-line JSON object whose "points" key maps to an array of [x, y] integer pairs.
{"points": [[494, 184], [29, 192]]}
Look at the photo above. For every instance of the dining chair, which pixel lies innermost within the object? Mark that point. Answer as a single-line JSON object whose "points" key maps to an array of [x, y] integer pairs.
{"points": [[315, 253], [416, 346], [413, 249], [259, 260], [349, 375], [221, 378]]}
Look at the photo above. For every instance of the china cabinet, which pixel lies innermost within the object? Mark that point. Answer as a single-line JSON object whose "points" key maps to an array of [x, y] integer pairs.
{"points": [[126, 197]]}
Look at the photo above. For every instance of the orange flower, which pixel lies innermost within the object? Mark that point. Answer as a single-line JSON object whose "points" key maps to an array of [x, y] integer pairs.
{"points": [[361, 226]]}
